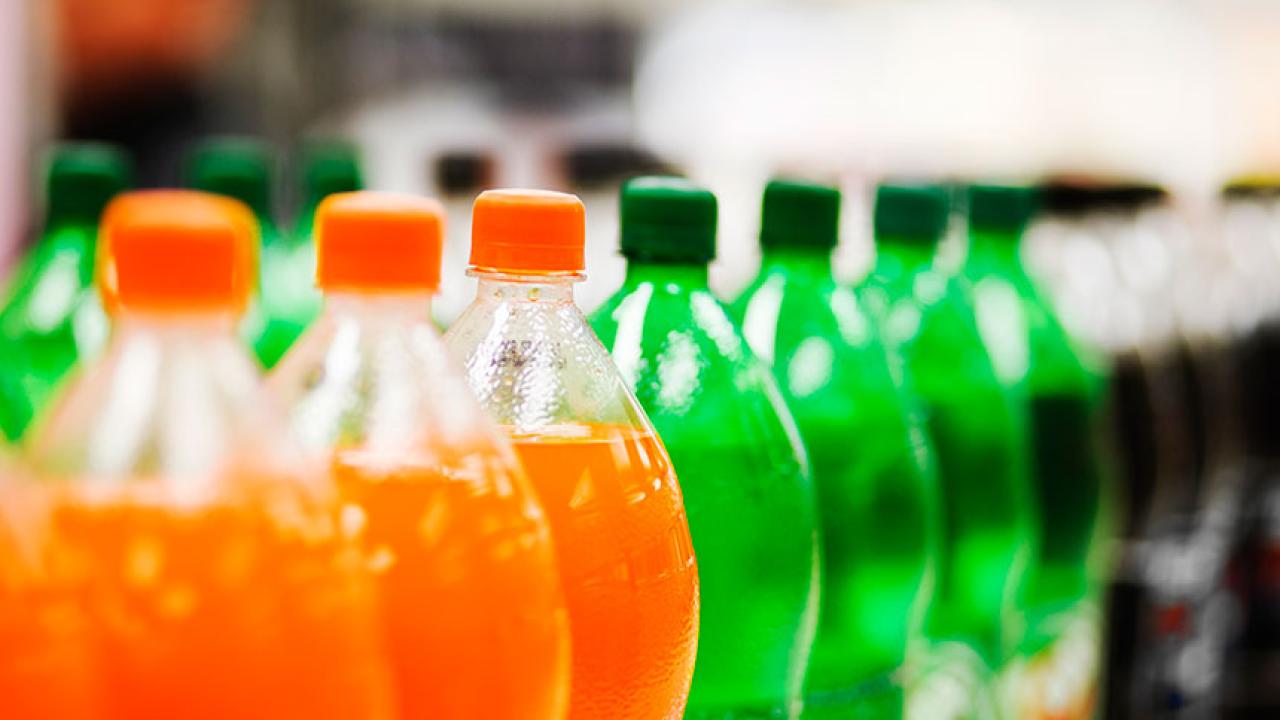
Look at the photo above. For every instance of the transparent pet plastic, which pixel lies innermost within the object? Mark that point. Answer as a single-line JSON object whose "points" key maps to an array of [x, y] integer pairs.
{"points": [[605, 480], [472, 609], [169, 557]]}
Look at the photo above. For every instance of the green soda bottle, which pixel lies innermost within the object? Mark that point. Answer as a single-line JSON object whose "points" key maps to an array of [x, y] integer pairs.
{"points": [[279, 311], [1035, 358], [734, 447], [871, 459], [51, 315], [978, 431], [328, 167]]}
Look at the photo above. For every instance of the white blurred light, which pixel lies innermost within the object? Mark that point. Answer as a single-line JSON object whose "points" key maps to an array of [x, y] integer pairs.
{"points": [[1167, 91]]}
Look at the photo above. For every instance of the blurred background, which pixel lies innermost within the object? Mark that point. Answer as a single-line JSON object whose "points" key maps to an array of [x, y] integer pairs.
{"points": [[1155, 127]]}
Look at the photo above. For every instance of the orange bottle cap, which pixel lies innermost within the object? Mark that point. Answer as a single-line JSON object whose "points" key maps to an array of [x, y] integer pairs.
{"points": [[528, 231], [177, 250], [378, 241]]}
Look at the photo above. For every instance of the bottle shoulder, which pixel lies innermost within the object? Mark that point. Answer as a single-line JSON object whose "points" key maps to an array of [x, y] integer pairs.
{"points": [[653, 324], [689, 364], [930, 323], [792, 281], [49, 283], [537, 364], [827, 354], [798, 310], [937, 302], [1023, 333], [380, 383], [185, 408]]}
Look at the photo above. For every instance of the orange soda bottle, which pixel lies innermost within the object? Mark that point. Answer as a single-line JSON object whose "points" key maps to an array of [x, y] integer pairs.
{"points": [[169, 557], [616, 511], [472, 612]]}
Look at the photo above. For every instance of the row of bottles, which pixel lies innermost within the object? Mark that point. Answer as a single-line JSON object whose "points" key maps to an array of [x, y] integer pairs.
{"points": [[176, 554], [891, 491], [285, 301], [1187, 314], [872, 464], [51, 315]]}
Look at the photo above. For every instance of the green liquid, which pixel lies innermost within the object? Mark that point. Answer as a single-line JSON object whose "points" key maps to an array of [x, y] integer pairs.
{"points": [[50, 318], [1068, 481], [980, 533], [755, 565], [980, 437], [876, 519], [1060, 393], [748, 496], [873, 471], [287, 300], [880, 699]]}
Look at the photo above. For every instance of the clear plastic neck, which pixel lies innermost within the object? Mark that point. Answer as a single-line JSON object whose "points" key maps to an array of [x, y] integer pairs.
{"points": [[410, 304], [219, 321], [174, 398], [530, 356], [510, 287]]}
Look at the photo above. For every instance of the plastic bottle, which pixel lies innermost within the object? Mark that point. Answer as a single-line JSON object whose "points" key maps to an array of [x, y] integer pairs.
{"points": [[1076, 237], [1034, 356], [1035, 359], [871, 458], [50, 316], [177, 560], [734, 446], [372, 393], [979, 433], [595, 168], [605, 481], [284, 301], [328, 168]]}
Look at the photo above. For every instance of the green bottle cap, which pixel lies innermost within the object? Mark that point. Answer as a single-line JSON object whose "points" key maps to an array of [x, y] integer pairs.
{"points": [[668, 219], [330, 167], [799, 215], [1001, 208], [82, 179], [235, 167], [911, 212]]}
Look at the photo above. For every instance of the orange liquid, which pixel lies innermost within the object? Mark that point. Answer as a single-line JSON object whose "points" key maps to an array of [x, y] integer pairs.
{"points": [[627, 565], [473, 619], [214, 612], [45, 668]]}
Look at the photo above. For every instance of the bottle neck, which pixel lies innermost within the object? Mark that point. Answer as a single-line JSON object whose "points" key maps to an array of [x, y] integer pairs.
{"points": [[905, 254], [306, 223], [269, 233], [815, 261], [412, 305], [690, 275], [994, 248], [78, 223], [306, 219], [512, 288], [218, 322]]}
